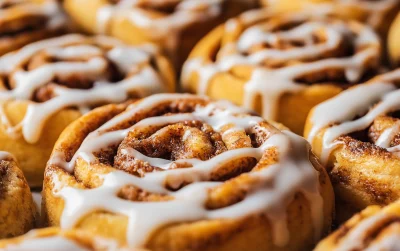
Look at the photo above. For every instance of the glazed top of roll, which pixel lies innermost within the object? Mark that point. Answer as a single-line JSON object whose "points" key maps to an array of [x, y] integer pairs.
{"points": [[50, 239], [374, 228], [162, 18], [80, 72], [176, 158], [278, 54], [366, 113], [24, 18]]}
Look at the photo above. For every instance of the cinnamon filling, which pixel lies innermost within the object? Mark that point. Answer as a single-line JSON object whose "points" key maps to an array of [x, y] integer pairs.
{"points": [[380, 125], [133, 193], [186, 140], [27, 24], [381, 229], [5, 4], [4, 83], [368, 125], [372, 134], [344, 49], [69, 80]]}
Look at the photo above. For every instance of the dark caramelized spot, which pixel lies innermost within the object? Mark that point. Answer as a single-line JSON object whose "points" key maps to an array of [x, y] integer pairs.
{"points": [[4, 83], [187, 140], [5, 166], [361, 136], [26, 24], [106, 155], [380, 125], [373, 132], [5, 4], [133, 193]]}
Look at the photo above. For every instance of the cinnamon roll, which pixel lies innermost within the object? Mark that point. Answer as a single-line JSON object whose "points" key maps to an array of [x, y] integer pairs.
{"points": [[46, 85], [175, 25], [281, 65], [374, 228], [17, 210], [181, 172], [393, 41], [49, 239], [378, 14], [26, 21], [356, 134]]}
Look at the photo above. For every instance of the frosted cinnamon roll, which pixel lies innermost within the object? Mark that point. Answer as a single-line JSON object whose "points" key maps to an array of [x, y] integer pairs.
{"points": [[356, 134], [175, 25], [207, 173], [26, 21], [374, 228], [281, 65], [46, 85], [378, 14], [50, 239], [17, 210]]}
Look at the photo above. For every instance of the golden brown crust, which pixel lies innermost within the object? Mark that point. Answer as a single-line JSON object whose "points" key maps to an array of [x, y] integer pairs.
{"points": [[219, 67], [253, 232], [17, 210]]}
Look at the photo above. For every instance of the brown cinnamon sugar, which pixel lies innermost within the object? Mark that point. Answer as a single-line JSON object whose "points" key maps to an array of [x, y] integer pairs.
{"points": [[191, 139], [135, 194], [379, 126]]}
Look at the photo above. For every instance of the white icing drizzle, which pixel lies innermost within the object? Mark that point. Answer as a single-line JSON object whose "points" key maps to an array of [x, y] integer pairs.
{"points": [[380, 90], [6, 156], [389, 243], [388, 135], [270, 83], [33, 241], [145, 81], [167, 27], [354, 239], [48, 8], [275, 186]]}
